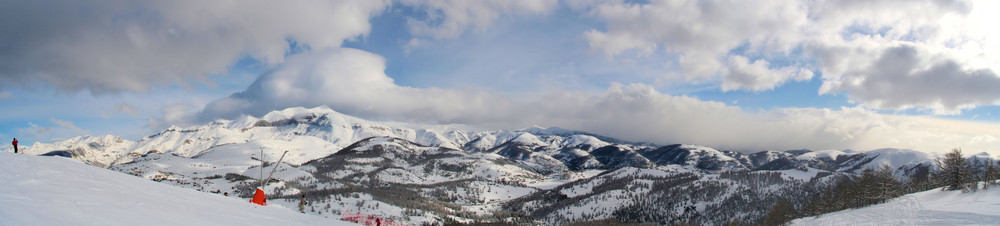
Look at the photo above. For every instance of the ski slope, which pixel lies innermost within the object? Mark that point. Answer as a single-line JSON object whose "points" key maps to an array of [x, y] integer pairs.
{"points": [[934, 207], [39, 190]]}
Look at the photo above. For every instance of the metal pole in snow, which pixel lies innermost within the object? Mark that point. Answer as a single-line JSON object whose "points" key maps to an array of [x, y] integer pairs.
{"points": [[261, 178], [276, 164]]}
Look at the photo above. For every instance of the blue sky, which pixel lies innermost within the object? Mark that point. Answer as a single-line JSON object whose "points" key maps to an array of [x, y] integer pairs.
{"points": [[728, 74]]}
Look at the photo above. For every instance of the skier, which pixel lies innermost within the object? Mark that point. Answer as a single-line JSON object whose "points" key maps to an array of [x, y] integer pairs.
{"points": [[302, 204], [15, 145]]}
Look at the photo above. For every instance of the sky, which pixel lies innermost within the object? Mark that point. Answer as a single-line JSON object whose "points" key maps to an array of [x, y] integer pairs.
{"points": [[730, 74]]}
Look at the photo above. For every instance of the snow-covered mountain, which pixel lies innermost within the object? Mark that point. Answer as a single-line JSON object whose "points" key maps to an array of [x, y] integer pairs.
{"points": [[314, 133], [444, 173], [98, 151]]}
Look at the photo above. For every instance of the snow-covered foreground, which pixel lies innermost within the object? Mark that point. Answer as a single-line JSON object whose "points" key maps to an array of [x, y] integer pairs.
{"points": [[934, 207], [36, 190]]}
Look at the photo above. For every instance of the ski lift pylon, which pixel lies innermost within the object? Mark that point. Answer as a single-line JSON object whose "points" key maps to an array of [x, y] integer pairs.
{"points": [[259, 197]]}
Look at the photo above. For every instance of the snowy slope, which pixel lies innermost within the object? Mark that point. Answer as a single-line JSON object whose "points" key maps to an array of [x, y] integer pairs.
{"points": [[934, 207], [41, 190]]}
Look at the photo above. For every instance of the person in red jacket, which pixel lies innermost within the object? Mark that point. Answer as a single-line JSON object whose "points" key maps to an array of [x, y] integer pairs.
{"points": [[15, 144]]}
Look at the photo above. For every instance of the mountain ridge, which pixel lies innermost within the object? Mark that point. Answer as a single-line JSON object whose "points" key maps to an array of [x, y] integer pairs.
{"points": [[448, 169], [340, 130]]}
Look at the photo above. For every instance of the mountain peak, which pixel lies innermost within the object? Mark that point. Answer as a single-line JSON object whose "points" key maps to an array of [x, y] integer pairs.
{"points": [[527, 138], [554, 131], [299, 112]]}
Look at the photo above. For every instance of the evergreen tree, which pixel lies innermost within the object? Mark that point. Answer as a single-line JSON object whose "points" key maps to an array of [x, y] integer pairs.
{"points": [[919, 181], [782, 212], [886, 185], [991, 174], [956, 172], [820, 204], [978, 170]]}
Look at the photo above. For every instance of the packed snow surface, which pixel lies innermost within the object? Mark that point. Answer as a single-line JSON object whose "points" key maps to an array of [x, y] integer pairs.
{"points": [[934, 207], [40, 190]]}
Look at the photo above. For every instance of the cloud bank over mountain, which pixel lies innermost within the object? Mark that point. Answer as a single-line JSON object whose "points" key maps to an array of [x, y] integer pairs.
{"points": [[354, 82], [887, 62]]}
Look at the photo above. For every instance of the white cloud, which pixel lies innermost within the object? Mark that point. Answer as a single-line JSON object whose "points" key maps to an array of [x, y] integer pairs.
{"points": [[450, 18], [413, 44], [353, 81], [35, 129], [126, 108], [5, 95], [113, 46], [983, 139], [883, 54], [700, 32], [177, 114], [865, 130], [758, 76], [639, 112], [954, 42], [69, 125], [61, 130], [903, 77], [614, 45]]}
